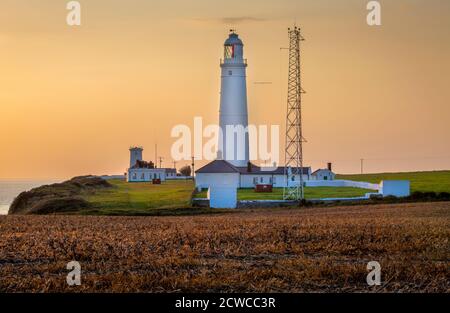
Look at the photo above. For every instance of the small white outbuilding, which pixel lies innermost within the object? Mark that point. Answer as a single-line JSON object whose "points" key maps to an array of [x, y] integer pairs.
{"points": [[324, 174], [396, 188]]}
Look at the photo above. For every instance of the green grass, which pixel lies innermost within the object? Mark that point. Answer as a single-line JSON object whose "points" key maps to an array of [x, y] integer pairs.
{"points": [[173, 197], [437, 181], [141, 198], [310, 193]]}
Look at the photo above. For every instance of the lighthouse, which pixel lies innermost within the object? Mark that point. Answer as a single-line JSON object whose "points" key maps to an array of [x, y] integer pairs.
{"points": [[233, 117], [135, 155]]}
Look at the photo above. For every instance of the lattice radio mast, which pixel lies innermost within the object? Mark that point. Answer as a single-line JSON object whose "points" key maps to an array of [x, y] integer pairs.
{"points": [[293, 153]]}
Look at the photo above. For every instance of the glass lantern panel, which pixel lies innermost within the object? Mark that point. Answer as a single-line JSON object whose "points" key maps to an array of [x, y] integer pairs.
{"points": [[229, 52]]}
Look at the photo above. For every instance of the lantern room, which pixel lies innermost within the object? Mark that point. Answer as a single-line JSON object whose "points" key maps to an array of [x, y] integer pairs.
{"points": [[233, 48]]}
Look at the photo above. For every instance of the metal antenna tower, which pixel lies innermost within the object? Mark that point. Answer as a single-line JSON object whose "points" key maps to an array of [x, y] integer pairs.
{"points": [[293, 149]]}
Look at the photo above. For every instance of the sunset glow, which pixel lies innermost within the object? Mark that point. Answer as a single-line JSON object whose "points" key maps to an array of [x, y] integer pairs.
{"points": [[74, 99]]}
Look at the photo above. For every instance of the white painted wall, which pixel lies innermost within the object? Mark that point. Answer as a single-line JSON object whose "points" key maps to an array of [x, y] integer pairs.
{"points": [[205, 180], [397, 188], [145, 174], [341, 183], [323, 174], [247, 181], [222, 197], [171, 175], [233, 107], [278, 181], [135, 155]]}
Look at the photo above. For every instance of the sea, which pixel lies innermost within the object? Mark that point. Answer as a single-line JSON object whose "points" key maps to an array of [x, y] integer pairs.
{"points": [[9, 189]]}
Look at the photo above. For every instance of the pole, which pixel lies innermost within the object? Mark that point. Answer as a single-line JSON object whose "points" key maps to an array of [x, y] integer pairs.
{"points": [[362, 166], [156, 155], [193, 169]]}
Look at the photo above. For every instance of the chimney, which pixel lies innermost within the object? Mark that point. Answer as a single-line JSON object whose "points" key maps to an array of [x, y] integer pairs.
{"points": [[249, 167], [329, 167]]}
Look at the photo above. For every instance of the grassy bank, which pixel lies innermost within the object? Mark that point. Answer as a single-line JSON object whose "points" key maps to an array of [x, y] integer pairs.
{"points": [[142, 198], [310, 193], [437, 181], [91, 196]]}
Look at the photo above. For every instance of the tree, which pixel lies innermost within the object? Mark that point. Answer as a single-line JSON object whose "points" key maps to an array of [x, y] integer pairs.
{"points": [[185, 170]]}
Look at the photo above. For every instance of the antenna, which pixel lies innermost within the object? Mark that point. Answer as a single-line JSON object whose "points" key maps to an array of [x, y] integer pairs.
{"points": [[156, 155], [293, 189]]}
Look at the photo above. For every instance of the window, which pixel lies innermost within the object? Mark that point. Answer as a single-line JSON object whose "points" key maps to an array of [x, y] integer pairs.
{"points": [[262, 180], [325, 177], [229, 52], [154, 175], [134, 176], [255, 180], [142, 176], [230, 72], [274, 180], [293, 178]]}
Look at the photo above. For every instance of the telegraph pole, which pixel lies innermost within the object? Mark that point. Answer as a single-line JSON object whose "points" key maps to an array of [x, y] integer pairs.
{"points": [[362, 166]]}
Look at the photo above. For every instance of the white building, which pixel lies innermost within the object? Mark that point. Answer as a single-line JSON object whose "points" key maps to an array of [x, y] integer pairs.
{"points": [[223, 173], [324, 174], [142, 171], [145, 174]]}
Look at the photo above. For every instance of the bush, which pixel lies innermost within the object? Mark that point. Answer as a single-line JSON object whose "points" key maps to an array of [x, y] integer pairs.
{"points": [[185, 170], [444, 196], [430, 195]]}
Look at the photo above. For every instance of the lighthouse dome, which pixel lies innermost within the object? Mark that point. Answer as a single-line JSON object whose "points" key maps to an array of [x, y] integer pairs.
{"points": [[234, 49], [233, 39]]}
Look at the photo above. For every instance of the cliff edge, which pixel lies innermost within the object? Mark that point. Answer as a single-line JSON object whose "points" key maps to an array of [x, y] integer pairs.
{"points": [[63, 197]]}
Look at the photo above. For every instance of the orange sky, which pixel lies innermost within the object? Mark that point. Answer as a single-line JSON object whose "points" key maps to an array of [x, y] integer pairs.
{"points": [[73, 99]]}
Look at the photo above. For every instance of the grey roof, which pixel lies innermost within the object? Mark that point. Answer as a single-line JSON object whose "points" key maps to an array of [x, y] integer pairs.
{"points": [[233, 39], [218, 166], [222, 166]]}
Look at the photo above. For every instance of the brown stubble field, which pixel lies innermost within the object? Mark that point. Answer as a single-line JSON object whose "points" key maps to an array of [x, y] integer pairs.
{"points": [[301, 250]]}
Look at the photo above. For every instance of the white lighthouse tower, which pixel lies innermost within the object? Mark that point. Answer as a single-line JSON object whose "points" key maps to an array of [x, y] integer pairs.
{"points": [[234, 144]]}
